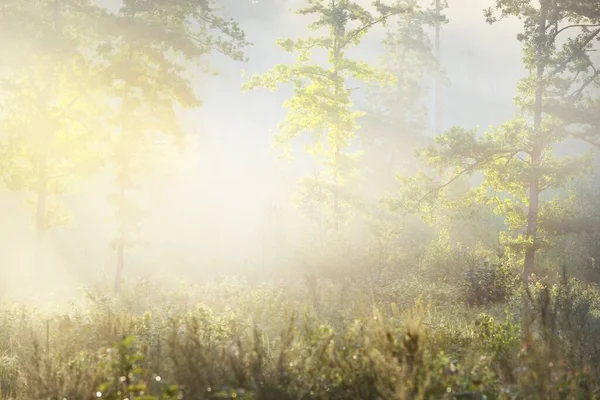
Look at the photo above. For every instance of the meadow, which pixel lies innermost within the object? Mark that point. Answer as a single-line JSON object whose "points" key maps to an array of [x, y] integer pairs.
{"points": [[376, 333]]}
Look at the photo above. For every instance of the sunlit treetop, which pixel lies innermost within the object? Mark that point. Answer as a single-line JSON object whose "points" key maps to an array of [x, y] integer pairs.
{"points": [[322, 101], [562, 50]]}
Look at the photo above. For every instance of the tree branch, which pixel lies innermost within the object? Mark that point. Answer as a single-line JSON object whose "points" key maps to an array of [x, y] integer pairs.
{"points": [[588, 141], [574, 26], [366, 26], [586, 83], [576, 51], [470, 168]]}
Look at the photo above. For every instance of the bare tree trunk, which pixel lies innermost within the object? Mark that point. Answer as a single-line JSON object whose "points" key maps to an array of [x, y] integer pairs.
{"points": [[40, 214], [120, 263], [536, 154], [123, 161], [532, 216], [335, 166], [336, 212], [438, 85], [122, 220]]}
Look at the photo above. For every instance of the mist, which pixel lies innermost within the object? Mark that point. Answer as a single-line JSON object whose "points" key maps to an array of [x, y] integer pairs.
{"points": [[299, 199], [207, 207]]}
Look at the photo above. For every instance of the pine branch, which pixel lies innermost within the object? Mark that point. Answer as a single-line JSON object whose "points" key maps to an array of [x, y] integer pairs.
{"points": [[489, 158], [573, 26]]}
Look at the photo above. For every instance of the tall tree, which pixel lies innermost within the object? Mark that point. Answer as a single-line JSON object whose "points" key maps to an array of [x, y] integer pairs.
{"points": [[518, 159], [397, 116], [49, 110], [439, 7], [151, 53], [322, 101], [397, 119]]}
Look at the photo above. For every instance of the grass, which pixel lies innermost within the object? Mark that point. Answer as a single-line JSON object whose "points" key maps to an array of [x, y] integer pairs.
{"points": [[375, 338]]}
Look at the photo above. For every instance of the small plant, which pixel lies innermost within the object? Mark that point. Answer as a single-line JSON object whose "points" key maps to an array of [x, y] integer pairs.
{"points": [[500, 341], [487, 284], [128, 379]]}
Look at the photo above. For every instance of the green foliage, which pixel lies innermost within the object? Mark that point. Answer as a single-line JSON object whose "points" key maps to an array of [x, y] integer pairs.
{"points": [[488, 284], [49, 121], [221, 349], [577, 244], [517, 159], [501, 342], [149, 53], [128, 376], [322, 101]]}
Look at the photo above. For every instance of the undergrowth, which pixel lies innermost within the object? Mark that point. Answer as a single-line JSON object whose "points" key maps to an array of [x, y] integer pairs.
{"points": [[318, 339]]}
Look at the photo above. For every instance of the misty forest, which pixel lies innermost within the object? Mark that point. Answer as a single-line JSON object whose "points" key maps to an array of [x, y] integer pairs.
{"points": [[299, 199]]}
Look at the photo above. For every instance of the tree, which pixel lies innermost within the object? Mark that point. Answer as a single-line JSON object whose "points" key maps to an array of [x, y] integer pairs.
{"points": [[577, 246], [49, 110], [397, 118], [150, 53], [396, 123], [322, 101], [517, 159]]}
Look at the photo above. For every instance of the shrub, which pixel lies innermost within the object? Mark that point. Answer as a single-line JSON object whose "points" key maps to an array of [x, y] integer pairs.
{"points": [[487, 284], [341, 352]]}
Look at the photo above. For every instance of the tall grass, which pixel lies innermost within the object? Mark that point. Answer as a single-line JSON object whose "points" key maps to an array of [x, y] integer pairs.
{"points": [[367, 339]]}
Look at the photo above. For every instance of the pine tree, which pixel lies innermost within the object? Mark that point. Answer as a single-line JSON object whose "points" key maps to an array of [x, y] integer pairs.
{"points": [[49, 110], [518, 159], [397, 117], [397, 120], [152, 49], [322, 102]]}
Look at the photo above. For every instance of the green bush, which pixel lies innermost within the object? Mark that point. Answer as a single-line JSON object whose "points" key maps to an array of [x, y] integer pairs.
{"points": [[223, 348], [487, 284]]}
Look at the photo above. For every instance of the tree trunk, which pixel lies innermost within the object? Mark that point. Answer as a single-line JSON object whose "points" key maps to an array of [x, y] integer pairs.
{"points": [[40, 214], [122, 235], [438, 85], [336, 172], [120, 263], [336, 215], [536, 154], [123, 161], [532, 216]]}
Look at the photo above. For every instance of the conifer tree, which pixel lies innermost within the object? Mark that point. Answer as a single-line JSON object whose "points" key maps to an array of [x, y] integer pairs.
{"points": [[152, 52], [397, 115], [49, 113], [517, 159], [397, 120], [322, 102]]}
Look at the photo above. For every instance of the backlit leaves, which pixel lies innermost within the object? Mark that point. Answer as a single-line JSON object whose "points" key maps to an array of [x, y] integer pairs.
{"points": [[322, 102], [519, 157]]}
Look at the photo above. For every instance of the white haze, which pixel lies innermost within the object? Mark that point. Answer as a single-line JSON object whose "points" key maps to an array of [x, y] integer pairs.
{"points": [[207, 211]]}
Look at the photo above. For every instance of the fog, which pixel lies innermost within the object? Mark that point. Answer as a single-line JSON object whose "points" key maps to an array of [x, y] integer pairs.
{"points": [[208, 208]]}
